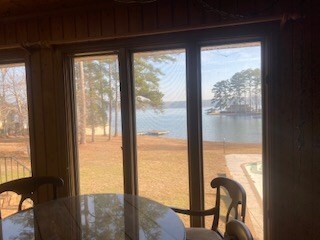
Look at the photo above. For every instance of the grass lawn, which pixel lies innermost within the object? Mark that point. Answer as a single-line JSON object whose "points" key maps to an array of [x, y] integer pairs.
{"points": [[162, 168]]}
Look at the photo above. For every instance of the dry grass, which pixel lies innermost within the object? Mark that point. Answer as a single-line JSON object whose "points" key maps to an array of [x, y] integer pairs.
{"points": [[162, 168]]}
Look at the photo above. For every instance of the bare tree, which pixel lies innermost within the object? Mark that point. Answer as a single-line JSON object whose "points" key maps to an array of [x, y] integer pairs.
{"points": [[82, 104], [110, 99], [5, 108], [15, 100], [116, 80]]}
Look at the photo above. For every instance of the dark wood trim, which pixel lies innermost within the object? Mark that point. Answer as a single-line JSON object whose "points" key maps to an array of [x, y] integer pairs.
{"points": [[70, 117], [12, 56], [128, 123], [64, 137], [270, 70], [195, 151], [219, 34], [265, 89]]}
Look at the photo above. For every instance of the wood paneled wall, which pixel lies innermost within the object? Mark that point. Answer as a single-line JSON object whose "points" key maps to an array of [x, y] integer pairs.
{"points": [[296, 162], [295, 167], [121, 20]]}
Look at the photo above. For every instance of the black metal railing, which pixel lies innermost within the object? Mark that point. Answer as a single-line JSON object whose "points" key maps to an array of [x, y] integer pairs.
{"points": [[11, 168]]}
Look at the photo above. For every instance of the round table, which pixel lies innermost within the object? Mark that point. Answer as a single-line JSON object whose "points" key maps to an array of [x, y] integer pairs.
{"points": [[97, 216]]}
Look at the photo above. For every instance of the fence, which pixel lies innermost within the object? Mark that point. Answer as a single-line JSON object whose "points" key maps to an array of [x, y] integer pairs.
{"points": [[11, 168]]}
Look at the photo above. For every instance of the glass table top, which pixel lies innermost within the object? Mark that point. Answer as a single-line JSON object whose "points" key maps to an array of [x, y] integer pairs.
{"points": [[98, 216]]}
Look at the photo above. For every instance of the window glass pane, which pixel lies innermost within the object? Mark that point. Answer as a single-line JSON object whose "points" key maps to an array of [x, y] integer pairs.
{"points": [[15, 159], [161, 123], [232, 125], [98, 124]]}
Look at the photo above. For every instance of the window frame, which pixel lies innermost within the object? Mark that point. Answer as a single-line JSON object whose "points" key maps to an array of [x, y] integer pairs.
{"points": [[13, 56], [266, 33]]}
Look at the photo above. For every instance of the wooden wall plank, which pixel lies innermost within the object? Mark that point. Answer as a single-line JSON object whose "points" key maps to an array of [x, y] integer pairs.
{"points": [[165, 17], [315, 66], [304, 181], [49, 112], [2, 34], [10, 34], [229, 6], [45, 29], [135, 19], [261, 5], [180, 13], [94, 23], [56, 28], [246, 7], [282, 137], [39, 164], [64, 142], [121, 20], [150, 17], [108, 22], [33, 31], [195, 13], [281, 161], [296, 158], [22, 34], [81, 25], [69, 27], [212, 16]]}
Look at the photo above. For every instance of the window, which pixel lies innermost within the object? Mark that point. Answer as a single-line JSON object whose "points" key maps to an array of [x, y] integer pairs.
{"points": [[15, 159], [161, 126], [190, 112], [232, 124], [99, 138]]}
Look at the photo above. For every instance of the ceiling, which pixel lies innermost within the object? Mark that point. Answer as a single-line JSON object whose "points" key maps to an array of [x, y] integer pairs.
{"points": [[9, 8]]}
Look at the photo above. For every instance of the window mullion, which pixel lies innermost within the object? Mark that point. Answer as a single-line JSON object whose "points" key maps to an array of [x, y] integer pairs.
{"points": [[194, 133], [128, 126]]}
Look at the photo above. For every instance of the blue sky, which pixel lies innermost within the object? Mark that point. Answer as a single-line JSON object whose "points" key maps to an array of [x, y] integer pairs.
{"points": [[216, 65]]}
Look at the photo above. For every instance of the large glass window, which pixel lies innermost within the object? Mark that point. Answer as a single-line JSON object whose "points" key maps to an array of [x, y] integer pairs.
{"points": [[154, 107], [98, 124], [15, 161], [161, 125], [232, 124]]}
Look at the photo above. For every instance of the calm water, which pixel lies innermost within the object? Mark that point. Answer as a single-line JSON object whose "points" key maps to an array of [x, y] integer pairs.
{"points": [[215, 127]]}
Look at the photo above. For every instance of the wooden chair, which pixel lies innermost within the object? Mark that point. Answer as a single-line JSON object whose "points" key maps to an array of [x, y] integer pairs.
{"points": [[26, 187], [238, 198], [236, 230]]}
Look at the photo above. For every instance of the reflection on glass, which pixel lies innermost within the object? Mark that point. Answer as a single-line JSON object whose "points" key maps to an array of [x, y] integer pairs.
{"points": [[97, 91], [18, 226], [161, 123], [14, 131], [117, 216], [96, 217], [102, 217], [232, 124]]}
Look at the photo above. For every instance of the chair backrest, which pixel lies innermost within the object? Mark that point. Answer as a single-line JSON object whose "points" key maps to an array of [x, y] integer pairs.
{"points": [[236, 230], [238, 198], [26, 187]]}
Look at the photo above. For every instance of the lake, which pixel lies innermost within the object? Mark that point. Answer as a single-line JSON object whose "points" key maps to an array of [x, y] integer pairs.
{"points": [[244, 129]]}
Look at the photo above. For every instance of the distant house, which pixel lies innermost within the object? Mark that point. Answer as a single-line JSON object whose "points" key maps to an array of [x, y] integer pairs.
{"points": [[212, 111], [238, 109]]}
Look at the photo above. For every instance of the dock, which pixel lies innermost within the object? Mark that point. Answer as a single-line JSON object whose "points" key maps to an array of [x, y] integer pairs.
{"points": [[153, 133]]}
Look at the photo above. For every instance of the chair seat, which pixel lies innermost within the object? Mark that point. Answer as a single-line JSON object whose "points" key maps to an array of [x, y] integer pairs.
{"points": [[202, 234]]}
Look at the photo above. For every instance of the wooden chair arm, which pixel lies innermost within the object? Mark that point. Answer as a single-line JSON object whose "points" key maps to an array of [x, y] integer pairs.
{"points": [[207, 212]]}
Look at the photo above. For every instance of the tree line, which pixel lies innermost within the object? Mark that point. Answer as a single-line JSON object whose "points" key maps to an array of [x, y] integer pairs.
{"points": [[242, 89]]}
